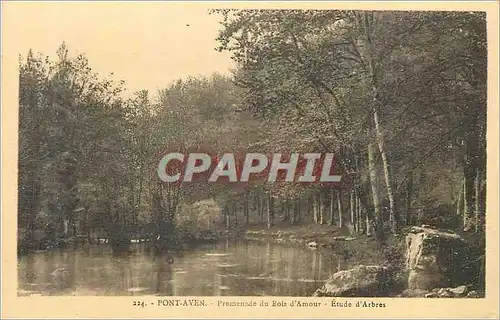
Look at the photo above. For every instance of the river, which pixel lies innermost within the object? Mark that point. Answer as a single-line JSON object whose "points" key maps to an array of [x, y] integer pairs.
{"points": [[228, 268]]}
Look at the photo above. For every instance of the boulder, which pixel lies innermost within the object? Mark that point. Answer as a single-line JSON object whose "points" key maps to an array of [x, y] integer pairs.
{"points": [[473, 294], [343, 238], [434, 258], [414, 293], [312, 244], [459, 291], [445, 293], [362, 281]]}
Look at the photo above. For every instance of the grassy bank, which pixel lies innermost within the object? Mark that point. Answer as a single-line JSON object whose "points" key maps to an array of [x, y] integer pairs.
{"points": [[356, 248]]}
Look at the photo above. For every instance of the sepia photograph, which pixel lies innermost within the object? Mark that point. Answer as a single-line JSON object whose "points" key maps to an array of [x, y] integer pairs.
{"points": [[184, 150]]}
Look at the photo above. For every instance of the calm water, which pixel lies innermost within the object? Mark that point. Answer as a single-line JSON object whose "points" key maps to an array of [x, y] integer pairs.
{"points": [[240, 268]]}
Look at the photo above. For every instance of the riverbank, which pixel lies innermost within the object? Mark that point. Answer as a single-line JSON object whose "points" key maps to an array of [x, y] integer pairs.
{"points": [[393, 268], [353, 248]]}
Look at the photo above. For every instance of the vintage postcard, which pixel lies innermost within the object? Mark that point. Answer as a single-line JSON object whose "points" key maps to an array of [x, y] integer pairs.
{"points": [[250, 159]]}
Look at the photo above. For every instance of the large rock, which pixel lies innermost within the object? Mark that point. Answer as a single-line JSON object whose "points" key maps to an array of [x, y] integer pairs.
{"points": [[343, 238], [473, 294], [434, 258], [458, 292], [312, 245], [362, 281]]}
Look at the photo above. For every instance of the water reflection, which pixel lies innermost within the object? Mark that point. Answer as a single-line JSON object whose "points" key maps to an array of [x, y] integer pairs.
{"points": [[229, 268]]}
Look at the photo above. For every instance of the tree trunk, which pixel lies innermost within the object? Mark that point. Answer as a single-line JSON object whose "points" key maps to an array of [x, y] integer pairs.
{"points": [[228, 217], [408, 199], [339, 206], [262, 208], [315, 208], [254, 203], [359, 218], [285, 211], [270, 211], [368, 225], [332, 207], [387, 171], [298, 218], [460, 199], [235, 213], [321, 208], [477, 207], [465, 216], [259, 209], [353, 209], [373, 182], [473, 158], [87, 225], [141, 183], [367, 50], [246, 209], [469, 201], [310, 205], [223, 214], [289, 217]]}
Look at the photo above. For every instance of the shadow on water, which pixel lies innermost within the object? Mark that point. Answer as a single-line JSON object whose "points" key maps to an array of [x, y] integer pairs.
{"points": [[228, 268]]}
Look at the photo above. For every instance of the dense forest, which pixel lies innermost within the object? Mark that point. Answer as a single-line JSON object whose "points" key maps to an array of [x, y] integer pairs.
{"points": [[398, 97]]}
